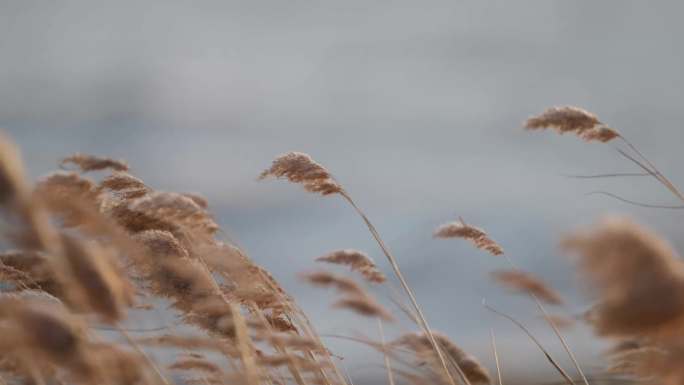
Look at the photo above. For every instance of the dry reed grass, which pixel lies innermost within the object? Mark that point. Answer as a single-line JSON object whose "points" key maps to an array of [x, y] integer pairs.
{"points": [[569, 119], [357, 261], [420, 346], [523, 282], [89, 251], [471, 233]]}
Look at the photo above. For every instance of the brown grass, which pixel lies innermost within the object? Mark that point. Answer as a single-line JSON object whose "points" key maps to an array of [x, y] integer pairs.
{"points": [[357, 261], [471, 233], [90, 251], [569, 119], [523, 282]]}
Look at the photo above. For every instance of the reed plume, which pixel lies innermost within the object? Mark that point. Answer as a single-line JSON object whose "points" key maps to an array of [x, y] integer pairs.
{"points": [[524, 282], [365, 306], [420, 345], [40, 337], [514, 277], [354, 298], [357, 261], [92, 247], [100, 285], [342, 284], [561, 322], [94, 163], [588, 127], [569, 119], [12, 177], [629, 267], [475, 235], [301, 168]]}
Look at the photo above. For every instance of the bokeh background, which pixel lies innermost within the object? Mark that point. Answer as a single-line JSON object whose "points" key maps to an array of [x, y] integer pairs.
{"points": [[416, 107]]}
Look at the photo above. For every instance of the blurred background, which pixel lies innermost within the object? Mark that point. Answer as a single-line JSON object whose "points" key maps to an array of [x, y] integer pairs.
{"points": [[416, 107]]}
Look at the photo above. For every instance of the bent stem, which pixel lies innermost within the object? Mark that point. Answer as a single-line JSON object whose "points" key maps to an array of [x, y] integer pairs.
{"points": [[548, 319], [534, 339], [635, 203], [244, 348], [613, 175], [409, 292], [651, 168], [388, 366], [496, 356], [144, 355]]}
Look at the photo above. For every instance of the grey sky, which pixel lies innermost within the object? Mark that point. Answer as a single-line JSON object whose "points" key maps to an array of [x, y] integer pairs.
{"points": [[416, 107]]}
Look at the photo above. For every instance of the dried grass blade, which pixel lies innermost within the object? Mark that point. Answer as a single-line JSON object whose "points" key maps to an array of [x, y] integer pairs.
{"points": [[534, 339], [388, 365], [496, 356], [395, 266]]}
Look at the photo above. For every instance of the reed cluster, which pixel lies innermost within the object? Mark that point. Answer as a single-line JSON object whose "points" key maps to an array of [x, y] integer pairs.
{"points": [[92, 247]]}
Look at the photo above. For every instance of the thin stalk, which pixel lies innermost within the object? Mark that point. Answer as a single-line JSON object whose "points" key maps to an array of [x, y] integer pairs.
{"points": [[614, 175], [496, 356], [656, 174], [409, 292], [280, 348], [346, 373], [659, 175], [534, 339], [173, 329], [548, 319], [388, 366], [144, 355], [635, 203], [305, 324], [243, 345]]}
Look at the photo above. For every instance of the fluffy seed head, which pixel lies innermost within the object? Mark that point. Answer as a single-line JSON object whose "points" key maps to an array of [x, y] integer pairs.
{"points": [[161, 245], [573, 120], [12, 182], [291, 340], [342, 284], [357, 261], [477, 236], [28, 269], [67, 185], [564, 119], [63, 192], [523, 282], [93, 280], [198, 199], [46, 331], [561, 322], [364, 305], [124, 185], [299, 168], [94, 163], [175, 209], [600, 134], [420, 344], [354, 297], [639, 277], [195, 364]]}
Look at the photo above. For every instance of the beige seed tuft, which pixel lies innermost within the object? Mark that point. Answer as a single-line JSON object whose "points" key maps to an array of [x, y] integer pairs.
{"points": [[357, 261], [477, 236], [300, 168], [523, 282], [638, 276], [573, 120], [94, 163]]}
